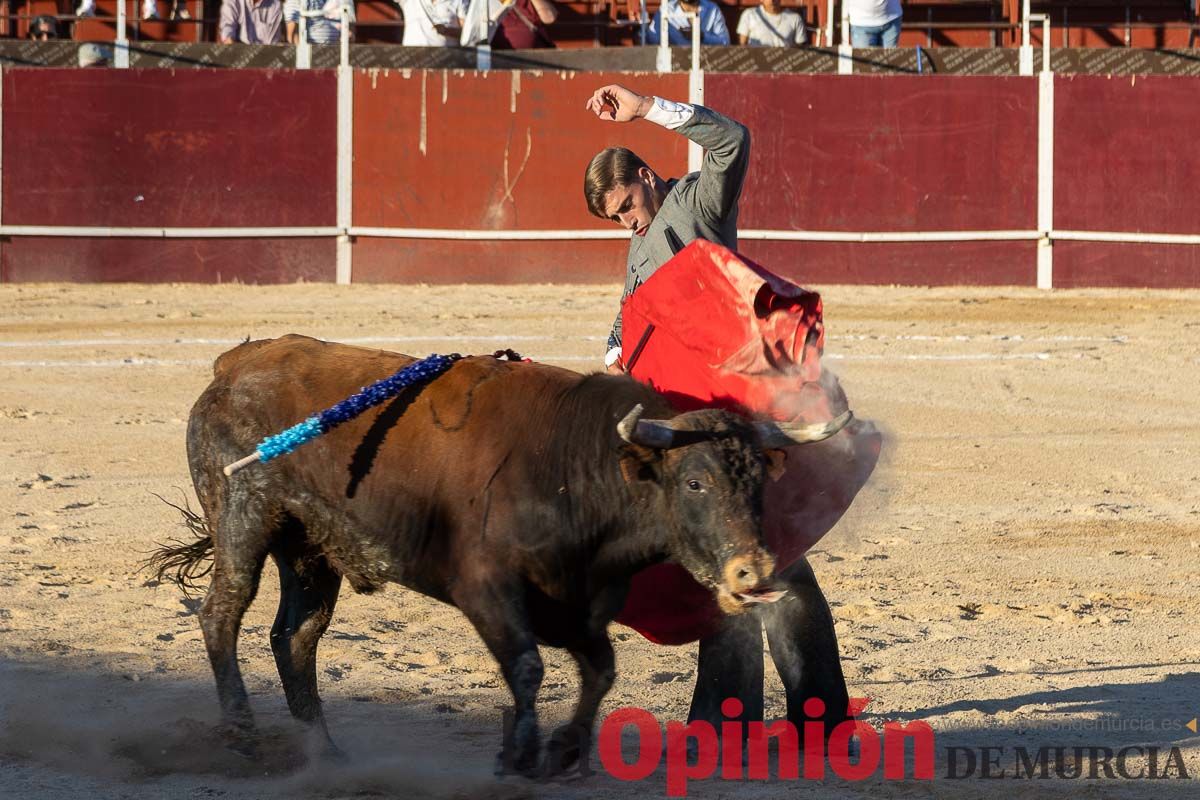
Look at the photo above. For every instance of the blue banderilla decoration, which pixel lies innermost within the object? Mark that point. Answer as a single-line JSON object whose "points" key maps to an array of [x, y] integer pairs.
{"points": [[370, 396]]}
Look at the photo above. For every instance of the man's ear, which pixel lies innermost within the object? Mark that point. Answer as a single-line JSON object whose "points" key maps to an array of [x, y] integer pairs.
{"points": [[647, 176], [640, 464], [776, 463]]}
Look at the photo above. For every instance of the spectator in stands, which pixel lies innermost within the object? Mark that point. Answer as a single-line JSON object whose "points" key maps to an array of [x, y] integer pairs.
{"points": [[680, 14], [432, 23], [43, 28], [325, 27], [251, 22], [874, 23], [768, 25], [179, 9], [522, 25]]}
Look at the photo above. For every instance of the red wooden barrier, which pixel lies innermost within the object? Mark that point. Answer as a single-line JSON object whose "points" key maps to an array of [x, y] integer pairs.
{"points": [[507, 151], [1124, 160], [159, 148], [491, 151], [888, 153]]}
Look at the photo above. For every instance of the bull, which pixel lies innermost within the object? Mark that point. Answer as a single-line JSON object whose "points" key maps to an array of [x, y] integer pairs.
{"points": [[523, 494]]}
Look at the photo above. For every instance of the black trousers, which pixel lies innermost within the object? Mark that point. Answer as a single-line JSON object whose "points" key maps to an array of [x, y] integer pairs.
{"points": [[803, 647]]}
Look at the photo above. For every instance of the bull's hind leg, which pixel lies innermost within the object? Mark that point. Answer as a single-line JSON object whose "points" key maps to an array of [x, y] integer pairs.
{"points": [[308, 591], [240, 547]]}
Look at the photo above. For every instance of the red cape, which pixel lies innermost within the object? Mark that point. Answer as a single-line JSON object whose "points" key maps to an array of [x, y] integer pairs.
{"points": [[712, 329]]}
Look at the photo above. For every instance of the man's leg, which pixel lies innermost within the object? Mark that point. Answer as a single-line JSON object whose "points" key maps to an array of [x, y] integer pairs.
{"points": [[730, 665], [889, 35], [866, 35], [804, 648]]}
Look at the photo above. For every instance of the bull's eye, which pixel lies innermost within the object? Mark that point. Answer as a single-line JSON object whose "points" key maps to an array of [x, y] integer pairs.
{"points": [[694, 485]]}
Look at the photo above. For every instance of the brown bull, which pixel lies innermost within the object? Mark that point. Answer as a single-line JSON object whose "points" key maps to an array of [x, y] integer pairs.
{"points": [[523, 494]]}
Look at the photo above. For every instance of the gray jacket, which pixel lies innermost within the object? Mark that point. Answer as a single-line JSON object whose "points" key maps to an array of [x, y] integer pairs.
{"points": [[700, 205]]}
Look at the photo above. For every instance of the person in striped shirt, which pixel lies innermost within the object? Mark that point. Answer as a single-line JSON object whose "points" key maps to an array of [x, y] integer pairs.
{"points": [[324, 20]]}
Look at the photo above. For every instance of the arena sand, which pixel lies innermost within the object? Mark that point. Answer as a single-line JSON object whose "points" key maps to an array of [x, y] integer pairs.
{"points": [[1021, 572]]}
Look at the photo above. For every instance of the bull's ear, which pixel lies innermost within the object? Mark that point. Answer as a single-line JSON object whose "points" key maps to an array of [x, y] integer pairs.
{"points": [[640, 463], [776, 463]]}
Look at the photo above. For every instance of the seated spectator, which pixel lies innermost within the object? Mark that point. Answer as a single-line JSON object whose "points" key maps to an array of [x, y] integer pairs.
{"points": [[432, 23], [43, 28], [251, 22], [768, 25], [325, 27], [874, 23], [713, 29], [522, 25]]}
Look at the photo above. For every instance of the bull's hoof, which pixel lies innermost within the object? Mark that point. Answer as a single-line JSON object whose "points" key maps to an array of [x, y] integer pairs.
{"points": [[242, 741], [523, 765], [332, 755], [564, 752]]}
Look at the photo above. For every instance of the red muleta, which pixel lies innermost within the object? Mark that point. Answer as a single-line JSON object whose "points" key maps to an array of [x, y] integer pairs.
{"points": [[712, 329]]}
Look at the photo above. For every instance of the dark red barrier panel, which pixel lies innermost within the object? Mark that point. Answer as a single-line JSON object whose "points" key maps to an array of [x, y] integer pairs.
{"points": [[378, 260], [921, 263], [1114, 264], [490, 151], [46, 258], [888, 153], [1125, 160], [156, 147]]}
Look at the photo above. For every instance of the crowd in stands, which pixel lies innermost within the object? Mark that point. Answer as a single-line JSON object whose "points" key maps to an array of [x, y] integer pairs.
{"points": [[508, 24]]}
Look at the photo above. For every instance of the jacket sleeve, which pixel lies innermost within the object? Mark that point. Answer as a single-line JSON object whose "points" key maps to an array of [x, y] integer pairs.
{"points": [[613, 349], [726, 158]]}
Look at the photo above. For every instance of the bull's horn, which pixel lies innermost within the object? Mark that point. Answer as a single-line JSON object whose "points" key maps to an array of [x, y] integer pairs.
{"points": [[786, 434], [646, 432]]}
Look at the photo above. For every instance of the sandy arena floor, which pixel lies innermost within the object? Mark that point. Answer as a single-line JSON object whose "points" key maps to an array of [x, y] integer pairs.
{"points": [[1020, 572]]}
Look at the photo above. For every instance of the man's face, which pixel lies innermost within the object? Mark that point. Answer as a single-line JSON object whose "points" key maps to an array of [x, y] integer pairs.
{"points": [[771, 6], [633, 205]]}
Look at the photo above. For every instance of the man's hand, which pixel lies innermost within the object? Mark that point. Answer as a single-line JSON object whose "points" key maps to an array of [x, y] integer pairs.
{"points": [[618, 104]]}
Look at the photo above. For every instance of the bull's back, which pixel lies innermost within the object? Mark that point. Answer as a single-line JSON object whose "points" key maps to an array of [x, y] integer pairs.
{"points": [[277, 383], [409, 466]]}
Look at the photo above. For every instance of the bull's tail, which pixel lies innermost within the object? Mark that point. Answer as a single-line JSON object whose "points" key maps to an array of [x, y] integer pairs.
{"points": [[182, 562]]}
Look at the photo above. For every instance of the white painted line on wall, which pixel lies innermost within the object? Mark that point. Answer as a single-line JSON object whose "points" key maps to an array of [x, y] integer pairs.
{"points": [[343, 268], [1045, 180]]}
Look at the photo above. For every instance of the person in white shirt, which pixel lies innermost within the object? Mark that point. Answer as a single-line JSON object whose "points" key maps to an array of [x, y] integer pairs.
{"points": [[713, 29], [432, 23], [874, 23], [324, 23], [768, 25]]}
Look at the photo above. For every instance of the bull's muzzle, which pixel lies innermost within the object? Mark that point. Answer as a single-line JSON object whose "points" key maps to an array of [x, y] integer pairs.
{"points": [[748, 579]]}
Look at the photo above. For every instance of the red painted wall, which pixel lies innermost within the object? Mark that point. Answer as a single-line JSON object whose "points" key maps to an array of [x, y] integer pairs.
{"points": [[1125, 160], [86, 260], [156, 147], [492, 151], [507, 151], [888, 153]]}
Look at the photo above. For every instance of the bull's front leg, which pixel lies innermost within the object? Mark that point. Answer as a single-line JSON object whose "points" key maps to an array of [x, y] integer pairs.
{"points": [[498, 614], [597, 670]]}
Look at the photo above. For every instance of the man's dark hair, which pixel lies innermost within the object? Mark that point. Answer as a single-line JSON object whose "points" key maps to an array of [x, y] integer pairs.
{"points": [[43, 24], [610, 168]]}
